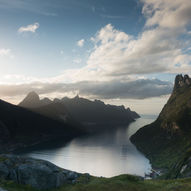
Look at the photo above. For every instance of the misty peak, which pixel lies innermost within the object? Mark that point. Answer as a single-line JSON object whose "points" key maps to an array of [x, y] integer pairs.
{"points": [[33, 95], [31, 100]]}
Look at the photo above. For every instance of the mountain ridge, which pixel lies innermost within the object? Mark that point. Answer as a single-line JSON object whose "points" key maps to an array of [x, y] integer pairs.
{"points": [[93, 115]]}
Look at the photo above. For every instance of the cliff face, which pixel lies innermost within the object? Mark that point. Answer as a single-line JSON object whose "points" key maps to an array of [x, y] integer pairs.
{"points": [[167, 141]]}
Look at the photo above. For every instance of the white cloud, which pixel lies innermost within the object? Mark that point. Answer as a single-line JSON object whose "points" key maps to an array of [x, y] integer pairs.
{"points": [[5, 52], [81, 42], [167, 13], [159, 48], [29, 28]]}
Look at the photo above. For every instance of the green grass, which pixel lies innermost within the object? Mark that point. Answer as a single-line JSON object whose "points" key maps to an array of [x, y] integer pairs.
{"points": [[119, 183]]}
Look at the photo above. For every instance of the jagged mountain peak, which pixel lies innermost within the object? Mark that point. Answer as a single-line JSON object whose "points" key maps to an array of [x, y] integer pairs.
{"points": [[32, 95], [182, 81], [31, 100]]}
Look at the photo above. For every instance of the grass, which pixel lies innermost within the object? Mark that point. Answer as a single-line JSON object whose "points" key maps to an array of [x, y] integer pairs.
{"points": [[119, 183]]}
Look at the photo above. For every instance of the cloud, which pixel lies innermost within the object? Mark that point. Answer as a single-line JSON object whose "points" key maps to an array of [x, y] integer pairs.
{"points": [[167, 13], [81, 42], [29, 28], [159, 48], [154, 51], [5, 52], [118, 58], [138, 89]]}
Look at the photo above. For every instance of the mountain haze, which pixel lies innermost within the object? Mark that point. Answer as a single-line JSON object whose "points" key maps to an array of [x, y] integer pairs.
{"points": [[32, 100]]}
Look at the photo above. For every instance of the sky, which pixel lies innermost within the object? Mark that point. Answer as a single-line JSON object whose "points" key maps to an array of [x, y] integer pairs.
{"points": [[122, 52]]}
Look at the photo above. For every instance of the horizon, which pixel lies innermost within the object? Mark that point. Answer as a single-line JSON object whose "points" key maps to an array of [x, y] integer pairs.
{"points": [[123, 53]]}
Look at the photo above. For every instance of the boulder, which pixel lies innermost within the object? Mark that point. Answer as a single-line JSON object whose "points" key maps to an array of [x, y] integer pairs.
{"points": [[39, 174]]}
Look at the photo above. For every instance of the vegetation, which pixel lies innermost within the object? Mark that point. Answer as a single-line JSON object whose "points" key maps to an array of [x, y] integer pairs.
{"points": [[119, 183]]}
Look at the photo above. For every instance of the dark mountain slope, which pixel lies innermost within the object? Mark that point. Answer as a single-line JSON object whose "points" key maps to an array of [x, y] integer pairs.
{"points": [[167, 141], [58, 111], [96, 111], [21, 126]]}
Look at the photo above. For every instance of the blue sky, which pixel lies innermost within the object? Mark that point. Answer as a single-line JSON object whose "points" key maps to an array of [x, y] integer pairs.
{"points": [[124, 52], [62, 24]]}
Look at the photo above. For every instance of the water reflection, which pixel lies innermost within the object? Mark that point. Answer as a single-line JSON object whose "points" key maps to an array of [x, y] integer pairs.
{"points": [[106, 154]]}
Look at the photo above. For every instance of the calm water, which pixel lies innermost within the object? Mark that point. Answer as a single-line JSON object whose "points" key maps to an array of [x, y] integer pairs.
{"points": [[106, 154]]}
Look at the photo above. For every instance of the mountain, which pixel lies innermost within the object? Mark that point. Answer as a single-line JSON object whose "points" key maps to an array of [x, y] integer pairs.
{"points": [[97, 112], [93, 115], [167, 141], [32, 100], [21, 127]]}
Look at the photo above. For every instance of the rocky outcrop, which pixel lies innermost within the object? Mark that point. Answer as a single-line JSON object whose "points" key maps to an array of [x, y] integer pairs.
{"points": [[181, 81], [36, 173], [1, 189]]}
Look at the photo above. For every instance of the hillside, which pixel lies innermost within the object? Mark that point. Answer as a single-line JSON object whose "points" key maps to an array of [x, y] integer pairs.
{"points": [[119, 183], [20, 127], [167, 141]]}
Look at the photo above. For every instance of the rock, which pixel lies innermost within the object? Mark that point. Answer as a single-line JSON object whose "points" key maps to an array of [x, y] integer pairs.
{"points": [[182, 81], [36, 173], [183, 169], [1, 189], [4, 171]]}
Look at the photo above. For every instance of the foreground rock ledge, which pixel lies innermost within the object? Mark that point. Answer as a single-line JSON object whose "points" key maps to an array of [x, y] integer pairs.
{"points": [[37, 173]]}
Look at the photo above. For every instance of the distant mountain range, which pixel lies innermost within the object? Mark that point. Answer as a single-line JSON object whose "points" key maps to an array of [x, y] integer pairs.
{"points": [[167, 141], [92, 115]]}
